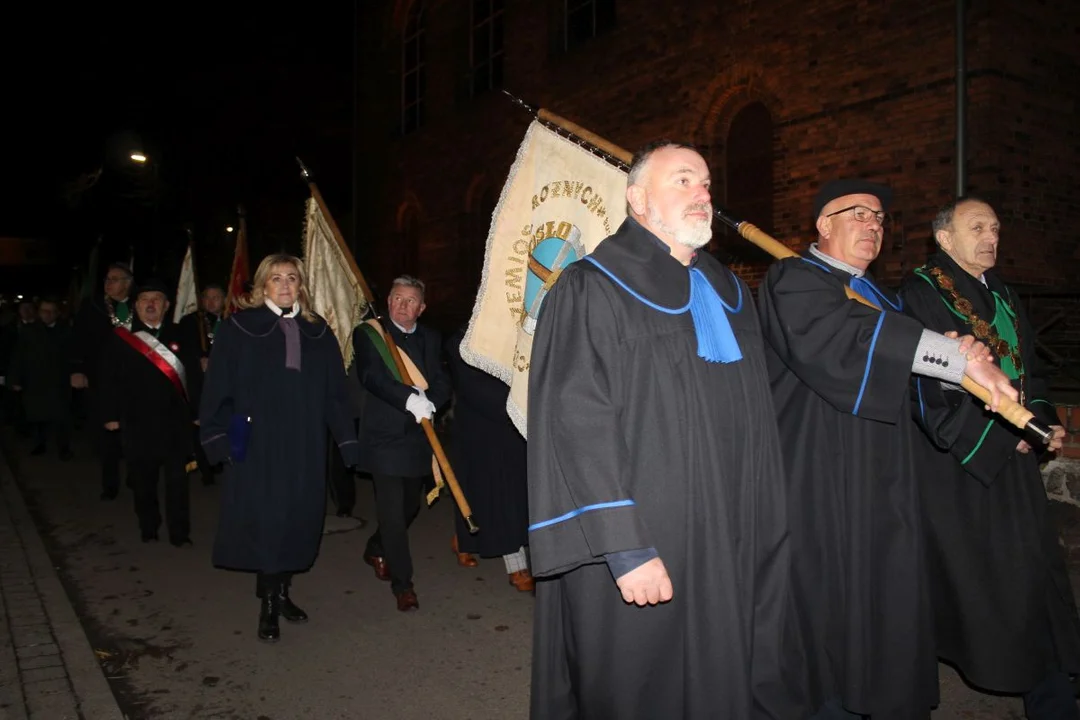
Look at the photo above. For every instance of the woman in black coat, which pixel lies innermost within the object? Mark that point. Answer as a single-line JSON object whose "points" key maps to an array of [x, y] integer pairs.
{"points": [[275, 382]]}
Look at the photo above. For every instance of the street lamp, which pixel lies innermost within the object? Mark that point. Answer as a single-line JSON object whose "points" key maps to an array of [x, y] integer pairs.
{"points": [[229, 228], [138, 157]]}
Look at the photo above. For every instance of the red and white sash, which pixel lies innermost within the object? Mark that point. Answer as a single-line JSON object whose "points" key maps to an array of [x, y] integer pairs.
{"points": [[153, 350]]}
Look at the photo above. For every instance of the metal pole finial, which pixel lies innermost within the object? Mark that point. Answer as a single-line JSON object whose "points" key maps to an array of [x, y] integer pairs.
{"points": [[303, 169]]}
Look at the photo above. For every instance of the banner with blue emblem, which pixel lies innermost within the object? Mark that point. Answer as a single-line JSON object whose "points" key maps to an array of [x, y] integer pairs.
{"points": [[558, 203]]}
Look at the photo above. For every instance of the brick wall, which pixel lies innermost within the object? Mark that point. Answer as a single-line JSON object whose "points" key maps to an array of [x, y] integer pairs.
{"points": [[1070, 420], [853, 88]]}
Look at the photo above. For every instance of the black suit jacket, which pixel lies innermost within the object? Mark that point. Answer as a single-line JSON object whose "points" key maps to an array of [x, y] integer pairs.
{"points": [[391, 441]]}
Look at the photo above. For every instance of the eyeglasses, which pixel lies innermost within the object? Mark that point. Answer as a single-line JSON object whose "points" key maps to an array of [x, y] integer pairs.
{"points": [[863, 214]]}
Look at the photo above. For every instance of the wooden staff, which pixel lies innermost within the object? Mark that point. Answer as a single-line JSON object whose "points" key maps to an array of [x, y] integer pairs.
{"points": [[429, 429], [1014, 412]]}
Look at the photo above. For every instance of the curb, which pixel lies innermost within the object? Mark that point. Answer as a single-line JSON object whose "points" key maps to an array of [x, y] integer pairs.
{"points": [[93, 696]]}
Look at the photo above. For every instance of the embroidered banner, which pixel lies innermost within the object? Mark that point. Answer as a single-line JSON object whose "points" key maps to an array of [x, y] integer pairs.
{"points": [[336, 294], [187, 295], [558, 203]]}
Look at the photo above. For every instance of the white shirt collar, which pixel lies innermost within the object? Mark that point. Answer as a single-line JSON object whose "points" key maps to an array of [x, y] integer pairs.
{"points": [[279, 312], [407, 332], [838, 264]]}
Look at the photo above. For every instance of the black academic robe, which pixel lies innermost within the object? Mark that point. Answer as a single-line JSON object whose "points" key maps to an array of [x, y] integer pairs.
{"points": [[840, 374], [273, 502], [636, 442], [1004, 608], [489, 460], [91, 331], [391, 441], [155, 417]]}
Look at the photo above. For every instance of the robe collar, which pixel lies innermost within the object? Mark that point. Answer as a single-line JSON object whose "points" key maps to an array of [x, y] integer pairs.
{"points": [[281, 313], [644, 262], [838, 264]]}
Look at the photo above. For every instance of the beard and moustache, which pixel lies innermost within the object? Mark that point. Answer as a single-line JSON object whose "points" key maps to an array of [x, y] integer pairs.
{"points": [[693, 236]]}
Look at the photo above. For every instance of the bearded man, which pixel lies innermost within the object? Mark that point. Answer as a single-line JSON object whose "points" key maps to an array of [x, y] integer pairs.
{"points": [[658, 528]]}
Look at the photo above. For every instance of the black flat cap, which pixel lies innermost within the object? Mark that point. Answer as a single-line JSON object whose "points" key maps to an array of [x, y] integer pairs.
{"points": [[851, 186], [152, 285]]}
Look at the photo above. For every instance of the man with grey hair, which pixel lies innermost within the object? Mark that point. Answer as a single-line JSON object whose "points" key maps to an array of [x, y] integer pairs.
{"points": [[658, 528], [989, 529], [841, 374], [393, 447]]}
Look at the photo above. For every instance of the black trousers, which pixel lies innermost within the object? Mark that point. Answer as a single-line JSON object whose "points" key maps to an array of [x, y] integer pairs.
{"points": [[61, 429], [1052, 699], [145, 474], [272, 584], [397, 502], [110, 451]]}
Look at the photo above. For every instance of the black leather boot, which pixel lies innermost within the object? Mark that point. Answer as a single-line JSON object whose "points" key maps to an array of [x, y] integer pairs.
{"points": [[289, 610], [269, 608]]}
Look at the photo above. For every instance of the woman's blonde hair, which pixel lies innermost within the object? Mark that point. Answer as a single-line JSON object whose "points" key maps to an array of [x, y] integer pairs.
{"points": [[257, 298]]}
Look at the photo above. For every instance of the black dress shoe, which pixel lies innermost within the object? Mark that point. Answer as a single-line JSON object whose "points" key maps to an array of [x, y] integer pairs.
{"points": [[290, 611], [344, 513], [150, 537], [181, 542], [109, 495], [269, 630], [39, 450], [66, 455]]}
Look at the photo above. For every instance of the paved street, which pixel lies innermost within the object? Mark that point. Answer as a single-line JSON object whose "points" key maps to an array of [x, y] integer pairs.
{"points": [[176, 638]]}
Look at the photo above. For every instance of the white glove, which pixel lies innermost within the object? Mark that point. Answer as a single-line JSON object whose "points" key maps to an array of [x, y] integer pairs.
{"points": [[420, 406]]}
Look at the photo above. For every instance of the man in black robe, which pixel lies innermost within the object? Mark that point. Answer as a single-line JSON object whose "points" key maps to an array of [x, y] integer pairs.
{"points": [[144, 402], [274, 386], [1004, 609], [840, 374], [393, 446], [199, 328], [92, 329], [658, 532], [489, 459]]}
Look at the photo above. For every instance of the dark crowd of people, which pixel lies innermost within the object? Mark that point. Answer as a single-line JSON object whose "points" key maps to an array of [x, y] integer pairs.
{"points": [[247, 400]]}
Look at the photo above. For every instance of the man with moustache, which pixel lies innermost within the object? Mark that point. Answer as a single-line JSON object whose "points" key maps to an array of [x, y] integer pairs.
{"points": [[840, 374], [143, 376], [658, 532], [989, 529]]}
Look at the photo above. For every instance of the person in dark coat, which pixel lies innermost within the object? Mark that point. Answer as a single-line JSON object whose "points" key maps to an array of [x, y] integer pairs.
{"points": [[198, 328], [40, 371], [840, 373], [143, 378], [275, 382], [93, 326], [489, 461], [394, 448], [1004, 608]]}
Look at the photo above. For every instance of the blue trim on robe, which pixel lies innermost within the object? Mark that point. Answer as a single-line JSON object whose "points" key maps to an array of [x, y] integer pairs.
{"points": [[661, 308], [579, 511], [874, 287], [922, 406], [869, 363]]}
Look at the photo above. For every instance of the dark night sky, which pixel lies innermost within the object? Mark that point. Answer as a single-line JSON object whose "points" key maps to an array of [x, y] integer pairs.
{"points": [[221, 99]]}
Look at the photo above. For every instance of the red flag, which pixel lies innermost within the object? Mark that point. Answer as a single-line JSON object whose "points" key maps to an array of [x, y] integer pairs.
{"points": [[239, 274]]}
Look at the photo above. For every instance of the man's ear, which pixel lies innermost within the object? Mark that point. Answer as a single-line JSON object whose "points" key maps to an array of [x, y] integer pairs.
{"points": [[824, 226], [944, 239], [636, 198]]}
